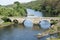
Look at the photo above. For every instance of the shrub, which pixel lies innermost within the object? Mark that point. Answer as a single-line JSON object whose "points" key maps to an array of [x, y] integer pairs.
{"points": [[6, 19], [53, 22]]}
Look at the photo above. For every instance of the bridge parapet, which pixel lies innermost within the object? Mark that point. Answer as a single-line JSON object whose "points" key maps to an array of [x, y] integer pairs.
{"points": [[34, 20]]}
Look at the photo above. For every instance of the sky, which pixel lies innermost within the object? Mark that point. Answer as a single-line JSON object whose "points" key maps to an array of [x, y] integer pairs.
{"points": [[7, 2]]}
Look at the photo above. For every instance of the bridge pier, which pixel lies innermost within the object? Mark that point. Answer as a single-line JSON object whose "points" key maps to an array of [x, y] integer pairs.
{"points": [[36, 27], [34, 20]]}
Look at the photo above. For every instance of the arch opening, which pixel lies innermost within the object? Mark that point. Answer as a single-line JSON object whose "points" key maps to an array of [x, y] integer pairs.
{"points": [[44, 24], [15, 21], [28, 23], [53, 22], [6, 19]]}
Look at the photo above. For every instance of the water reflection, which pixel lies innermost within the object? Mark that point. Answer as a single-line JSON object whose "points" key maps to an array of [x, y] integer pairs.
{"points": [[17, 33], [36, 27], [28, 23], [20, 32], [32, 13], [45, 24]]}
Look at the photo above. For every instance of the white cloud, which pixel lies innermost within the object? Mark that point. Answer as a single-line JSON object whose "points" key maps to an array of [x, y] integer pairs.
{"points": [[6, 2]]}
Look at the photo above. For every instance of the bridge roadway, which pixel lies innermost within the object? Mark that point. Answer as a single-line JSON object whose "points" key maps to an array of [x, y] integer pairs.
{"points": [[34, 20]]}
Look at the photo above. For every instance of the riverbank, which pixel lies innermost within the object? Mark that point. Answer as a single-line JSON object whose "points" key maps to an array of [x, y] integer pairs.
{"points": [[53, 39], [5, 24], [56, 28]]}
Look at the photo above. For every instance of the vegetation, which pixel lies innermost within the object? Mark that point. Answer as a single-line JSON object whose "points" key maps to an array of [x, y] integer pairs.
{"points": [[59, 31], [5, 19], [5, 24], [15, 9], [50, 8], [53, 39], [53, 22]]}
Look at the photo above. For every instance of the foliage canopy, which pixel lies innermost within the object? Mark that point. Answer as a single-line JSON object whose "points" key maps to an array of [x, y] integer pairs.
{"points": [[15, 9], [50, 8]]}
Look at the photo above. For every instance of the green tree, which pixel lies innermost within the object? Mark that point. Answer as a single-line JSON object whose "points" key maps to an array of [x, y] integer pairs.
{"points": [[15, 9], [49, 8]]}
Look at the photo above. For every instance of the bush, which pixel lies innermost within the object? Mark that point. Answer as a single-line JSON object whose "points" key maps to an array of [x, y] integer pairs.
{"points": [[5, 19], [53, 22]]}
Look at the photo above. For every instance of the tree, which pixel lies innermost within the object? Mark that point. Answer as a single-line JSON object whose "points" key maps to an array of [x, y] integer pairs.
{"points": [[50, 8], [15, 9]]}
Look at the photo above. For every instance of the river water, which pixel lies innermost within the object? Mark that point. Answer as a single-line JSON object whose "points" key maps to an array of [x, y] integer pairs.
{"points": [[20, 32], [26, 31], [34, 14]]}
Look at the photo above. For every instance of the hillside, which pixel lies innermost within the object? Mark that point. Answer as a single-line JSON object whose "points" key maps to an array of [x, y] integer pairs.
{"points": [[50, 8], [15, 9]]}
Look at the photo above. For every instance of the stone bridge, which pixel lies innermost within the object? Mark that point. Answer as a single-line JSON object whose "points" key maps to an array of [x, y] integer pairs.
{"points": [[34, 20]]}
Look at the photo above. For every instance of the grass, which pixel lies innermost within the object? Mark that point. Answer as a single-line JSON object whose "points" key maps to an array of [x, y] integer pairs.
{"points": [[5, 24], [53, 39]]}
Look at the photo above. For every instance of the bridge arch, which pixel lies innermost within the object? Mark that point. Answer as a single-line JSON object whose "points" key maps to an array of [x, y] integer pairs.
{"points": [[44, 24], [41, 21], [34, 20], [53, 22], [15, 21], [5, 19], [28, 23]]}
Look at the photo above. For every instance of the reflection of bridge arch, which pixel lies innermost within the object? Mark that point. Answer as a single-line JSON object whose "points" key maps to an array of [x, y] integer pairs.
{"points": [[44, 24], [28, 22], [43, 20]]}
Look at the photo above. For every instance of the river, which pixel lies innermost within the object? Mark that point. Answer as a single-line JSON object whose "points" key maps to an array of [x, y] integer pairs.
{"points": [[26, 32], [19, 32], [34, 14]]}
